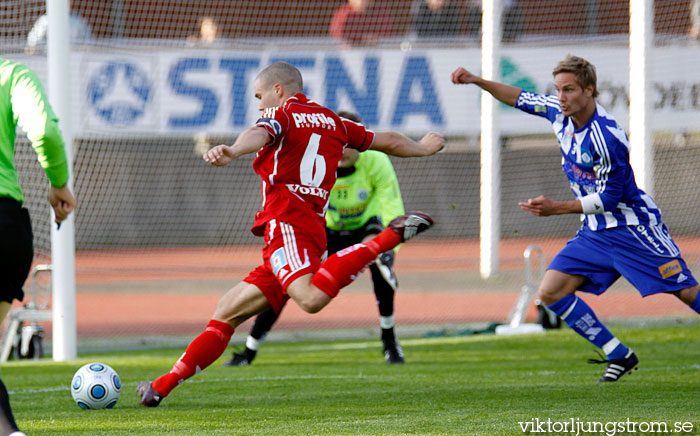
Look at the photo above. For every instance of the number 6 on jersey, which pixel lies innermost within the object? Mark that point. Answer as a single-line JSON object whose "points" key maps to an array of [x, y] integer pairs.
{"points": [[312, 160]]}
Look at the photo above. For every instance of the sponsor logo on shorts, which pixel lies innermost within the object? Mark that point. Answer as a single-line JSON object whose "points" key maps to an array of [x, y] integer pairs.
{"points": [[670, 269], [278, 261], [645, 234], [282, 272]]}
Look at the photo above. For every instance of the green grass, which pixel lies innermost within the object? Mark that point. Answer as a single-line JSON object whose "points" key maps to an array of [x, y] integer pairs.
{"points": [[476, 385]]}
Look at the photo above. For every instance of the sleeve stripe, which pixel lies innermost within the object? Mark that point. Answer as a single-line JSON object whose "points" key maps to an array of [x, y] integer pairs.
{"points": [[530, 98], [537, 99], [553, 101], [602, 149]]}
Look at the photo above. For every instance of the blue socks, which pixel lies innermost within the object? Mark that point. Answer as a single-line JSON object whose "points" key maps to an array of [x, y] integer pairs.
{"points": [[580, 317], [696, 304]]}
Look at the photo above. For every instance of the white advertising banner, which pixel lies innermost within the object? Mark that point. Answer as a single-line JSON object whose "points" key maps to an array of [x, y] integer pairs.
{"points": [[176, 92]]}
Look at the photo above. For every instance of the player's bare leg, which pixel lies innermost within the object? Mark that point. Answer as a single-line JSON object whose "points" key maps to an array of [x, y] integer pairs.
{"points": [[310, 298], [238, 304], [556, 285], [690, 297]]}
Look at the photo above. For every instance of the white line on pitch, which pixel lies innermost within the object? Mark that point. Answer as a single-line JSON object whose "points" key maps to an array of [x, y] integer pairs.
{"points": [[218, 380]]}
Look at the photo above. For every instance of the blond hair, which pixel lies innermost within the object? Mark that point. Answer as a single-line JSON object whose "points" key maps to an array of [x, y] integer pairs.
{"points": [[582, 69]]}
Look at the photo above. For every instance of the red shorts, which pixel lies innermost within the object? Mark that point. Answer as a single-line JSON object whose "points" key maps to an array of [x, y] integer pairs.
{"points": [[289, 253]]}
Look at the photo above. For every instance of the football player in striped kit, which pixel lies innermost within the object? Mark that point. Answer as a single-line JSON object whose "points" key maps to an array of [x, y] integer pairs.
{"points": [[622, 232]]}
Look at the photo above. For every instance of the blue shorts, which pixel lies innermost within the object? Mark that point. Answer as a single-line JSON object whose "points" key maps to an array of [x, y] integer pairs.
{"points": [[646, 256]]}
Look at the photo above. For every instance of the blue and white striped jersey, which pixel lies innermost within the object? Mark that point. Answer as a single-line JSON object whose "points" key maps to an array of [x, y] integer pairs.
{"points": [[595, 158]]}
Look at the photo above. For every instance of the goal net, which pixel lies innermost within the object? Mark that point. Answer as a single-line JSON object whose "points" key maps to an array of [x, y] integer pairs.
{"points": [[161, 235]]}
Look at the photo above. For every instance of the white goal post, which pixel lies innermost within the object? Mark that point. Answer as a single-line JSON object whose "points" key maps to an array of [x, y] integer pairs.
{"points": [[65, 339], [641, 141], [489, 224]]}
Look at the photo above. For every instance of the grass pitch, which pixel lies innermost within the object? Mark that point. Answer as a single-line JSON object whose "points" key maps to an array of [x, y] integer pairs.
{"points": [[468, 385]]}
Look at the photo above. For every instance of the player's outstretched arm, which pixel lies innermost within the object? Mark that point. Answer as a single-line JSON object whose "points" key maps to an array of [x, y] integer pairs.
{"points": [[396, 144], [250, 141], [504, 93], [543, 206]]}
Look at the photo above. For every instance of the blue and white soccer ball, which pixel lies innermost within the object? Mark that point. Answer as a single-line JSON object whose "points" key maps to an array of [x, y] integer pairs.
{"points": [[96, 386]]}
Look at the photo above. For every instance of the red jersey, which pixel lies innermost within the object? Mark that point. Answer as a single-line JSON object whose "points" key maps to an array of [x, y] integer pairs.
{"points": [[298, 166]]}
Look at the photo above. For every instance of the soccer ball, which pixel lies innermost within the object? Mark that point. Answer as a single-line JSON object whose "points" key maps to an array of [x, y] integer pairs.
{"points": [[96, 386]]}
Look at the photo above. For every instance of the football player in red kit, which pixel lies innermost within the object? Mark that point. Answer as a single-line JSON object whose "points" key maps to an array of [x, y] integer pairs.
{"points": [[298, 144]]}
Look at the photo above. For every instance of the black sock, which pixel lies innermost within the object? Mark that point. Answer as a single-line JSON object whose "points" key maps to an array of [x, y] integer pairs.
{"points": [[263, 324], [7, 421], [388, 335]]}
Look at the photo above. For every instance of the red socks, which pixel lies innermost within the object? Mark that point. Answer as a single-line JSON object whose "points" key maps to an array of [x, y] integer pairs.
{"points": [[386, 240], [201, 352], [342, 268]]}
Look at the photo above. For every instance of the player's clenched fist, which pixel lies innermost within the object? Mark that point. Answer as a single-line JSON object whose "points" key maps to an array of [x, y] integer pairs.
{"points": [[462, 75], [220, 155], [62, 201], [433, 142]]}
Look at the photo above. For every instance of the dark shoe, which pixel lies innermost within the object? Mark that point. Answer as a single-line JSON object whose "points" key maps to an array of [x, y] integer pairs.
{"points": [[618, 367], [393, 352], [546, 318], [409, 225], [149, 396], [241, 359]]}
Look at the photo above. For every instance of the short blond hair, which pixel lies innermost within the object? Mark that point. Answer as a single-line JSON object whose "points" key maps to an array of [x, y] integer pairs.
{"points": [[284, 73], [582, 69]]}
